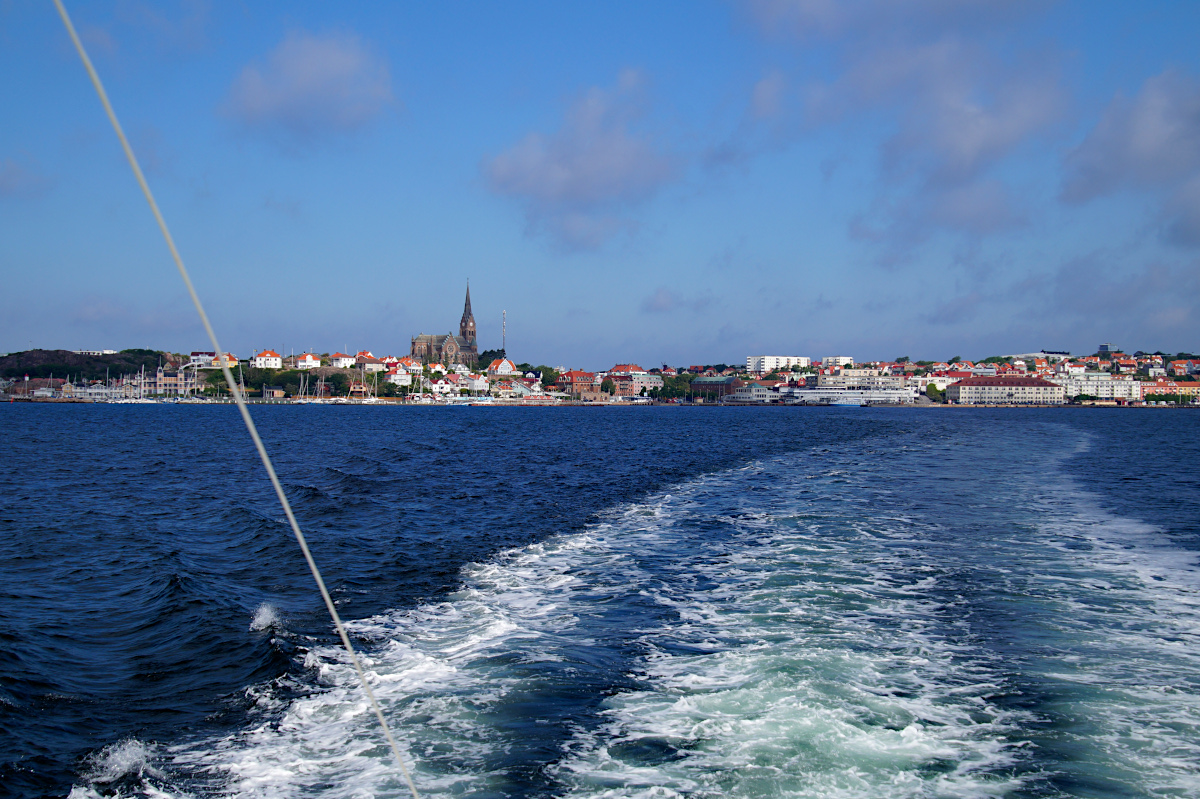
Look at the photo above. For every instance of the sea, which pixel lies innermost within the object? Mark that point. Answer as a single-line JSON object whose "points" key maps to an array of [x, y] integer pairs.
{"points": [[602, 602]]}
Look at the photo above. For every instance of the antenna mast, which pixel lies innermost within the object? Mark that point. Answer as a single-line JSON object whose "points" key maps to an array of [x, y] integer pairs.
{"points": [[504, 333]]}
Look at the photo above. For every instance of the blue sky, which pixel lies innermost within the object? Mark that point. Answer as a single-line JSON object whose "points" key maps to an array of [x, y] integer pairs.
{"points": [[657, 182]]}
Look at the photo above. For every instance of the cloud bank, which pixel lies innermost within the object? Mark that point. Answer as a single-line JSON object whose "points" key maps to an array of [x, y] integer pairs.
{"points": [[1150, 143], [947, 103]]}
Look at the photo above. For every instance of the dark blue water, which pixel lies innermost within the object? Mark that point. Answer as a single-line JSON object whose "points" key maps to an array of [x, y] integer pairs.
{"points": [[643, 601]]}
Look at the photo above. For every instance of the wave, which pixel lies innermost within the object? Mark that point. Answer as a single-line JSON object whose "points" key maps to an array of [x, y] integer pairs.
{"points": [[791, 627]]}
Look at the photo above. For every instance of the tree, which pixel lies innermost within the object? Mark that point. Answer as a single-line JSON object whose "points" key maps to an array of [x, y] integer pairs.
{"points": [[608, 386], [487, 356], [955, 359], [902, 359]]}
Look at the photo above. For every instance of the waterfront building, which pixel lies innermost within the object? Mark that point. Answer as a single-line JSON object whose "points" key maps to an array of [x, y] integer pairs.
{"points": [[828, 395], [871, 379], [632, 379], [1189, 389], [763, 364], [714, 387], [160, 382], [576, 381], [1005, 391], [1101, 385], [449, 348], [752, 393]]}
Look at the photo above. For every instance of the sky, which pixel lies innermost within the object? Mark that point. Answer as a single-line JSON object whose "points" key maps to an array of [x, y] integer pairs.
{"points": [[668, 182]]}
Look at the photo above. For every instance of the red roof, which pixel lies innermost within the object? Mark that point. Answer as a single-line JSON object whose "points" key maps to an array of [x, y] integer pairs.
{"points": [[1005, 381], [268, 354]]}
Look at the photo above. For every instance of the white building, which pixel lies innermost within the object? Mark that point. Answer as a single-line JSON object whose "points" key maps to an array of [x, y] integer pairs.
{"points": [[836, 361], [341, 360], [1005, 391], [267, 359], [871, 379], [921, 383], [762, 364], [398, 377], [1101, 385], [308, 361], [502, 367]]}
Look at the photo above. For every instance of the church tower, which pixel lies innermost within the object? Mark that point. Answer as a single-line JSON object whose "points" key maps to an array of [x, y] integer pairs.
{"points": [[466, 328]]}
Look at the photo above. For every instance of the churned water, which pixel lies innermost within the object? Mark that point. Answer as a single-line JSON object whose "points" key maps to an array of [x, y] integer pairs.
{"points": [[649, 602]]}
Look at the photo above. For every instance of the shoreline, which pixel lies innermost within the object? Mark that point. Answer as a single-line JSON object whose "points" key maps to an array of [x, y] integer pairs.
{"points": [[9, 399]]}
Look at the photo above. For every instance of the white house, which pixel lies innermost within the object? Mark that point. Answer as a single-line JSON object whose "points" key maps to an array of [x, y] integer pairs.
{"points": [[308, 361], [501, 367], [398, 377], [267, 359], [341, 360]]}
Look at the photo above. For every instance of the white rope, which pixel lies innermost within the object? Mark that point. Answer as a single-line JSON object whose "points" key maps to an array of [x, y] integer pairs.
{"points": [[237, 395]]}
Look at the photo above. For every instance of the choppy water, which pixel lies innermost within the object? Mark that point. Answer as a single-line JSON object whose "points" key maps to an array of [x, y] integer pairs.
{"points": [[586, 603]]}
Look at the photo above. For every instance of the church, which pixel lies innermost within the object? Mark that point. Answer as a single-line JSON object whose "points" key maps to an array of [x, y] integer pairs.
{"points": [[449, 349]]}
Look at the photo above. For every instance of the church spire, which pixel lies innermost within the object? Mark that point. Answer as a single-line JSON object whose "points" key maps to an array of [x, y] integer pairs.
{"points": [[466, 328]]}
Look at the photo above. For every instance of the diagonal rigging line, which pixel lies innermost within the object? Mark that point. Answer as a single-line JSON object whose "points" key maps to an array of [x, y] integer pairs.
{"points": [[237, 394]]}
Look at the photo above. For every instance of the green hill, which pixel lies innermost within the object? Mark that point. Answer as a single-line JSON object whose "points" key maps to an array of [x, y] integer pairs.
{"points": [[61, 363]]}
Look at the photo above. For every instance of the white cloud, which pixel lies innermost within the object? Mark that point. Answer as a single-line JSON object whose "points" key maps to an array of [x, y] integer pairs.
{"points": [[312, 86], [577, 183]]}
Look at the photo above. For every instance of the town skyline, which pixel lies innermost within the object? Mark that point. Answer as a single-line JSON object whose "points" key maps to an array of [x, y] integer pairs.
{"points": [[673, 184]]}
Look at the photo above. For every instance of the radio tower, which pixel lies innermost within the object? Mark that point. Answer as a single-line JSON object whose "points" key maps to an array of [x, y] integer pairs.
{"points": [[504, 333]]}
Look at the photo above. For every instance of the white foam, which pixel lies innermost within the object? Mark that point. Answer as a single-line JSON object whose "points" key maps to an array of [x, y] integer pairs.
{"points": [[128, 758], [809, 649], [266, 617]]}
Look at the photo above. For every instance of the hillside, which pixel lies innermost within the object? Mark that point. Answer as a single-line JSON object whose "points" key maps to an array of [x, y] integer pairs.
{"points": [[61, 363]]}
